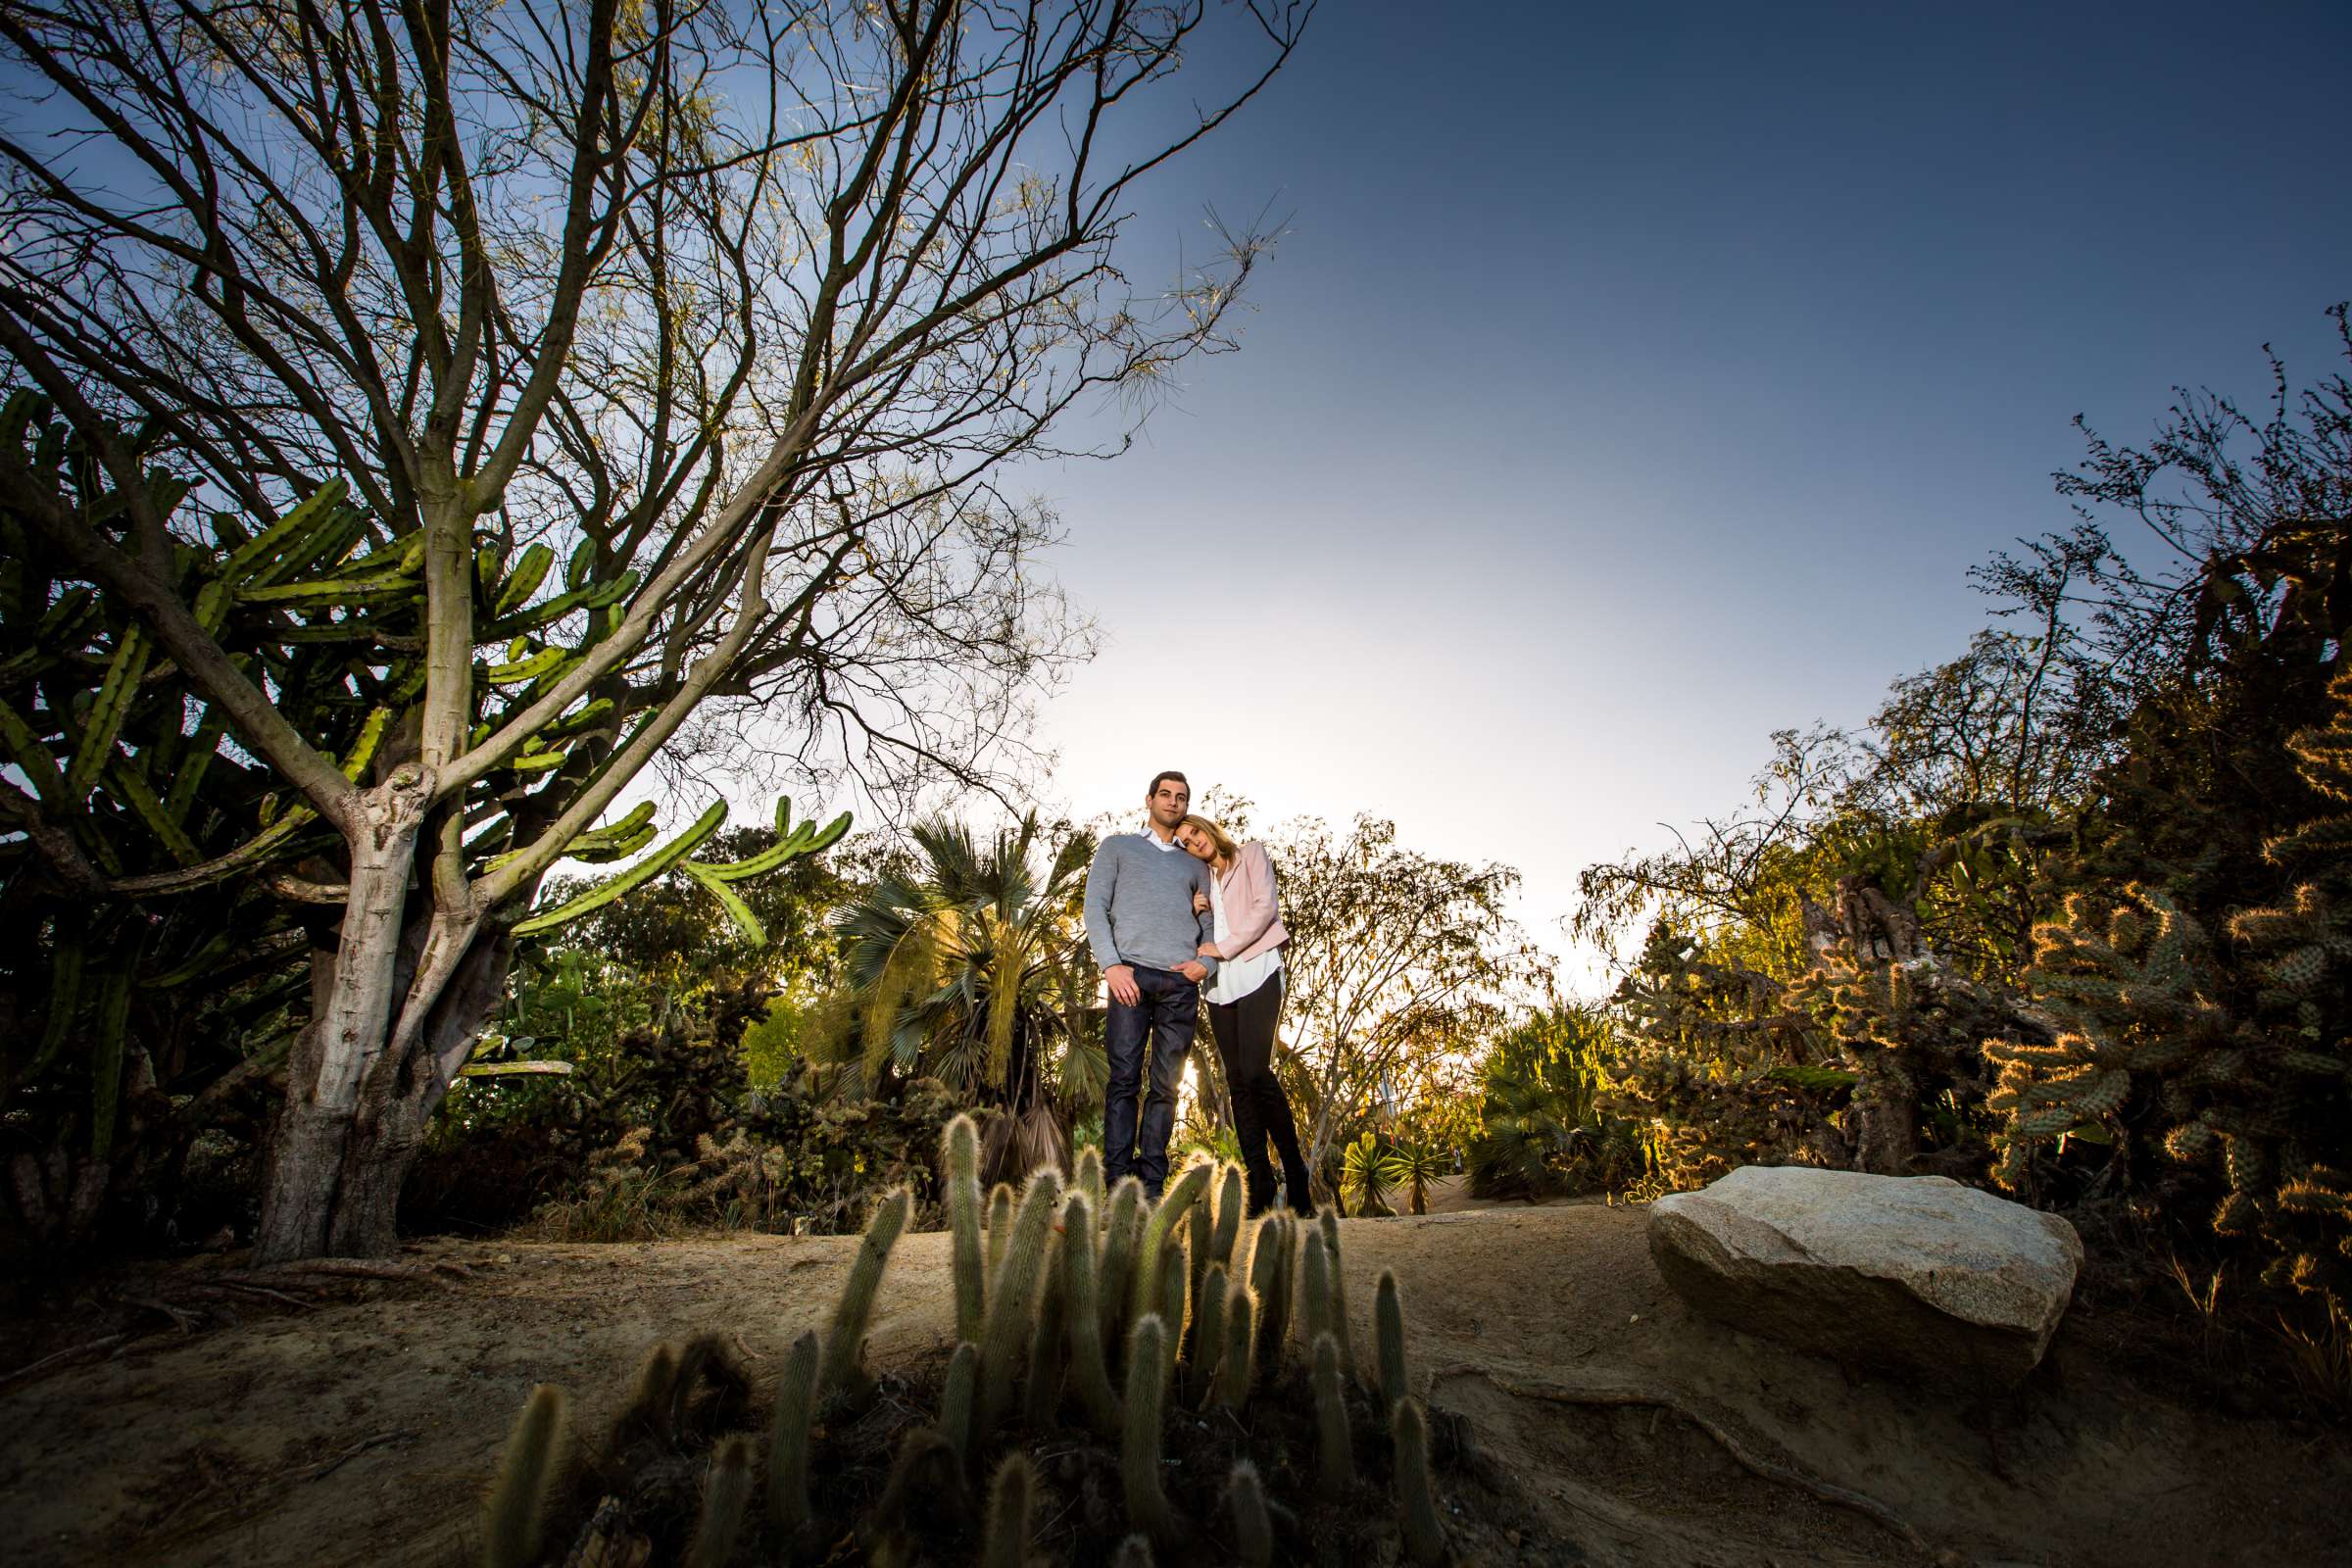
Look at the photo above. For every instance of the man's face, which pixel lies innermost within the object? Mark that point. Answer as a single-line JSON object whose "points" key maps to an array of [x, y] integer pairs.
{"points": [[1168, 804]]}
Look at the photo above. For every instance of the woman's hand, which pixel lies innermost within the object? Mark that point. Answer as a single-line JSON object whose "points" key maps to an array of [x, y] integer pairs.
{"points": [[1199, 904], [1208, 950]]}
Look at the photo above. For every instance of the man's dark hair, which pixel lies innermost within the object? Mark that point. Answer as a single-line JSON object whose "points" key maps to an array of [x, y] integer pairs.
{"points": [[1158, 779]]}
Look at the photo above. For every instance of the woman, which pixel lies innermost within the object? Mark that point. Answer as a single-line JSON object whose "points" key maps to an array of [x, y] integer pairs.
{"points": [[1245, 999]]}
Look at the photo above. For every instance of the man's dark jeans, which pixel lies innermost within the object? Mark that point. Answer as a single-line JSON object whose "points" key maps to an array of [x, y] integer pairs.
{"points": [[1162, 1021]]}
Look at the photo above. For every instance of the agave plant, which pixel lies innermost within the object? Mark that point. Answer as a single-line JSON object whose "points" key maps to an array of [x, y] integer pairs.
{"points": [[1364, 1177], [973, 968]]}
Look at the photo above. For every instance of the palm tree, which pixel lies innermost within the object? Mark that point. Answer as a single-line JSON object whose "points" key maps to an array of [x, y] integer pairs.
{"points": [[973, 968]]}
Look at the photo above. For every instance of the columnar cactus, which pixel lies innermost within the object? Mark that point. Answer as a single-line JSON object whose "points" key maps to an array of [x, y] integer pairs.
{"points": [[1237, 1364], [1145, 1290], [1208, 1330], [1000, 1224], [844, 1344], [1388, 1315], [1005, 1536], [726, 1497], [962, 1149], [1012, 1299], [515, 1519], [1139, 1448], [958, 1397], [1089, 1368], [1416, 1494], [1335, 1451], [1252, 1524], [1089, 1179], [788, 1442], [1120, 1238], [1341, 1326]]}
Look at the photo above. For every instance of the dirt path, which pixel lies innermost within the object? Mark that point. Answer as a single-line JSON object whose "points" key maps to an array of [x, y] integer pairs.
{"points": [[364, 1431]]}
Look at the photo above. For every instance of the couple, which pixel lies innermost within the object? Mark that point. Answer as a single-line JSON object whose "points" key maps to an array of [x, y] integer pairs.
{"points": [[1177, 913]]}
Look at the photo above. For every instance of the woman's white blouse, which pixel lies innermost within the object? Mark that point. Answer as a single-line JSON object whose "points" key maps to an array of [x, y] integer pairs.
{"points": [[1235, 978]]}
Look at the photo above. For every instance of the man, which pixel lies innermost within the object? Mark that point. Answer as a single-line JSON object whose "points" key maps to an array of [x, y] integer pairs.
{"points": [[1145, 935]]}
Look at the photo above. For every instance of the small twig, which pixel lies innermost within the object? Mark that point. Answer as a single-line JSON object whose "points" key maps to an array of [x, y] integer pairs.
{"points": [[34, 1369], [1825, 1492], [326, 1467], [185, 1322]]}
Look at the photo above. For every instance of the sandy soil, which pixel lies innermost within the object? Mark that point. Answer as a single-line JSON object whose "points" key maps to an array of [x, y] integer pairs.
{"points": [[363, 1430]]}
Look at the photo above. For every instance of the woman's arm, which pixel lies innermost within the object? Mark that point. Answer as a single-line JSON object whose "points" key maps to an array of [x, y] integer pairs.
{"points": [[1255, 882]]}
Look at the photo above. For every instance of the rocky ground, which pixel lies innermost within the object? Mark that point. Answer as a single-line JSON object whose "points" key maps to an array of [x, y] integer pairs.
{"points": [[359, 1428]]}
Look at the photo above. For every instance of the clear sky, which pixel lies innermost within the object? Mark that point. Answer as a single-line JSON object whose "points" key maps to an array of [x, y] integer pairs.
{"points": [[1629, 386]]}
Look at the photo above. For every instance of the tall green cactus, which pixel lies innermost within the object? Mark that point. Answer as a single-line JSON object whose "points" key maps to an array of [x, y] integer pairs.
{"points": [[1000, 1224], [1081, 1295], [1090, 1174], [1342, 1327], [726, 1499], [1335, 1450], [1388, 1308], [844, 1342], [788, 1442], [1120, 1238], [1315, 1295], [514, 1517], [1011, 1321], [1416, 1494], [1237, 1362], [714, 879], [1005, 1537], [1208, 1330], [1139, 1448], [961, 1147], [959, 1398], [1143, 1290], [1253, 1525]]}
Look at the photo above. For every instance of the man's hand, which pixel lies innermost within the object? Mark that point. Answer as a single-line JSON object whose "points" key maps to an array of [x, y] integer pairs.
{"points": [[1195, 971], [1123, 988]]}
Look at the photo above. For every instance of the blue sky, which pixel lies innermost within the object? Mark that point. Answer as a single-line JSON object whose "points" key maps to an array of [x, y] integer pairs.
{"points": [[1629, 386]]}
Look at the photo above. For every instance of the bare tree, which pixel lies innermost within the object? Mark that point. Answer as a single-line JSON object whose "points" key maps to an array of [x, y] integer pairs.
{"points": [[1397, 960], [733, 308]]}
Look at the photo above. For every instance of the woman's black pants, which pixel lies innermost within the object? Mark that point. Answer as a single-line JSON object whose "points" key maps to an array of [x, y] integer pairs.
{"points": [[1244, 1035]]}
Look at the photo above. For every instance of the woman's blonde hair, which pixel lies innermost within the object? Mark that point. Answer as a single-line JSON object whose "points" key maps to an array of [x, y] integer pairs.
{"points": [[1227, 850]]}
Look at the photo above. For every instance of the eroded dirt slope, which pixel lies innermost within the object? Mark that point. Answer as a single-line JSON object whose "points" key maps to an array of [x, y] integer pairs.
{"points": [[361, 1431]]}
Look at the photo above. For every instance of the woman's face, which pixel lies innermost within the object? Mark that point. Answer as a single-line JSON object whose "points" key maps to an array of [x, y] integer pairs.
{"points": [[1196, 843]]}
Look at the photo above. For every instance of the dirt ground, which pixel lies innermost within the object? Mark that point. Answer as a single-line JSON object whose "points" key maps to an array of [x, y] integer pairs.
{"points": [[363, 1430]]}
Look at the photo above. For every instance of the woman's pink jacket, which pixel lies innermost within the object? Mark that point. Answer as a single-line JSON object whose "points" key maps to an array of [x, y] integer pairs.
{"points": [[1252, 922]]}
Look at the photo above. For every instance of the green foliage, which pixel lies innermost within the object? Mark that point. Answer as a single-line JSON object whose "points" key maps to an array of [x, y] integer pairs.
{"points": [[1365, 1178], [1542, 1131]]}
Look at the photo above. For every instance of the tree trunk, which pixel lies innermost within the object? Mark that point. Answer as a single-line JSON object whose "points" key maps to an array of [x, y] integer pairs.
{"points": [[1885, 1123]]}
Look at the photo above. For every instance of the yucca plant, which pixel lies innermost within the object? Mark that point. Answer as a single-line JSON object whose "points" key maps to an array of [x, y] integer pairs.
{"points": [[1364, 1178], [1414, 1166]]}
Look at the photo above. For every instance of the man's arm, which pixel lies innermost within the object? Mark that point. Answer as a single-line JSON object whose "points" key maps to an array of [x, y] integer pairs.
{"points": [[1101, 880]]}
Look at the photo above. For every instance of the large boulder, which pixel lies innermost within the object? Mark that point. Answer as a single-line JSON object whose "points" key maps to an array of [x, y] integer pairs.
{"points": [[1917, 1275]]}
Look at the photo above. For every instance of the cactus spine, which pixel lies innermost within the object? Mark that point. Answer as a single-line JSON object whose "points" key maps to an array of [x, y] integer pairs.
{"points": [[1335, 1455], [1138, 1451], [1267, 1282], [788, 1442], [1000, 1224], [1253, 1525], [1237, 1364], [957, 1396], [1012, 1299], [1144, 1292], [1083, 1310], [1389, 1322], [1416, 1496], [515, 1524], [726, 1495], [1172, 1277], [1005, 1535], [962, 1144], [1197, 1234], [1119, 1239], [845, 1346], [648, 1409]]}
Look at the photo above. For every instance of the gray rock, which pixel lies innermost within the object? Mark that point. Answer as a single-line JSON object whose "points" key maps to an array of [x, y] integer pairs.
{"points": [[1918, 1275]]}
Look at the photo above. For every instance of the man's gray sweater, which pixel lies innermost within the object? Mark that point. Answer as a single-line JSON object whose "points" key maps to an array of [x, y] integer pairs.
{"points": [[1138, 903]]}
